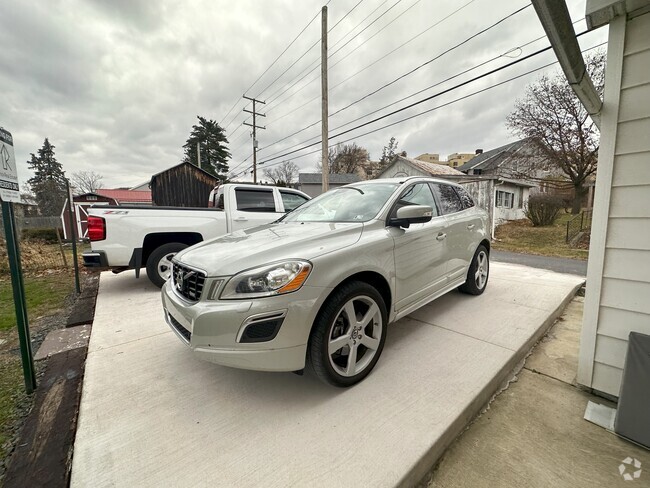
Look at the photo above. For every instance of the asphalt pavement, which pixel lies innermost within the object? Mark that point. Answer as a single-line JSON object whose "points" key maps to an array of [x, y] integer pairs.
{"points": [[560, 265]]}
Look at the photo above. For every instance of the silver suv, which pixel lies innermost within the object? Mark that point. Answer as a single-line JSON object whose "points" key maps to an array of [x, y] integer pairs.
{"points": [[319, 286]]}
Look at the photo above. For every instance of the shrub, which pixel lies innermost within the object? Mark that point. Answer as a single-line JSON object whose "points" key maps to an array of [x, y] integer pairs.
{"points": [[45, 235], [542, 210]]}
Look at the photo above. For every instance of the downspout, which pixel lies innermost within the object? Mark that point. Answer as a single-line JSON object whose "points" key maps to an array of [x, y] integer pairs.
{"points": [[555, 18]]}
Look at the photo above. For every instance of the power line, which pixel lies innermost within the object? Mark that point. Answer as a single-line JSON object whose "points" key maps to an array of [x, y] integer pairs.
{"points": [[270, 66], [273, 97], [414, 69], [465, 41], [437, 107], [344, 57], [472, 68], [373, 63], [438, 94], [307, 51], [282, 53]]}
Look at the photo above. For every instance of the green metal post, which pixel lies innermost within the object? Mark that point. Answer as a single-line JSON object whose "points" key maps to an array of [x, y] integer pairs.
{"points": [[73, 236], [18, 286]]}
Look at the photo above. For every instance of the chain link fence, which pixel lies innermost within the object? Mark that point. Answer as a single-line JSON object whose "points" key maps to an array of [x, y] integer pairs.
{"points": [[42, 249], [579, 223]]}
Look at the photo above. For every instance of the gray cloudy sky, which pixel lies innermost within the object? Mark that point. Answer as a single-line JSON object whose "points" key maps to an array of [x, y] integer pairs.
{"points": [[117, 84]]}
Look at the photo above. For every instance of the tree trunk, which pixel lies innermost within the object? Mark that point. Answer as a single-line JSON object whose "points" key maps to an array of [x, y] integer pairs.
{"points": [[579, 194]]}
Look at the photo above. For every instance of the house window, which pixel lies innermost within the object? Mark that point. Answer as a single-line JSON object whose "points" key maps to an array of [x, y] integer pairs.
{"points": [[91, 197], [504, 199]]}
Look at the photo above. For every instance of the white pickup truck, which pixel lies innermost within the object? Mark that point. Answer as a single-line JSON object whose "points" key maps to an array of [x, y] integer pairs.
{"points": [[132, 237]]}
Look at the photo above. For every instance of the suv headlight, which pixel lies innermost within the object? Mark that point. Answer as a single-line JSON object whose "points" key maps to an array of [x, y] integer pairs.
{"points": [[265, 281]]}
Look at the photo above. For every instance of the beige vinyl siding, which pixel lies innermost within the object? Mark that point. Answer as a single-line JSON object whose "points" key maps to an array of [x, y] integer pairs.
{"points": [[632, 170], [624, 304], [606, 378]]}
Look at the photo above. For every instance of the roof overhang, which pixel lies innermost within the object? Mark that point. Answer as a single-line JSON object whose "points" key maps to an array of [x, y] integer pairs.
{"points": [[556, 21], [601, 12]]}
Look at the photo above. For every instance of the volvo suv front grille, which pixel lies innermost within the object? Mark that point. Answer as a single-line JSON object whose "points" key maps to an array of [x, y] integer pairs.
{"points": [[187, 282]]}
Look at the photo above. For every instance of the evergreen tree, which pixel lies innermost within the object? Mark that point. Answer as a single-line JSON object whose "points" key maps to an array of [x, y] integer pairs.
{"points": [[388, 153], [48, 182], [213, 143]]}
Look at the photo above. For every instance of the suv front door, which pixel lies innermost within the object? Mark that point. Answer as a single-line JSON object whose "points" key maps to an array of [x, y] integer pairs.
{"points": [[420, 250]]}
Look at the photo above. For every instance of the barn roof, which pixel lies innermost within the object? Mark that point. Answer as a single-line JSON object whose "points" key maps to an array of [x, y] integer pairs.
{"points": [[194, 167]]}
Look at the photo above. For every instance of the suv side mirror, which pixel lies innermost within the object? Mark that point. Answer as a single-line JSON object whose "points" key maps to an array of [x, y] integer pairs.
{"points": [[411, 214]]}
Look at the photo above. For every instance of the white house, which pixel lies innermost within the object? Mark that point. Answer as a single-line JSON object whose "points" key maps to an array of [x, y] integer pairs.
{"points": [[503, 198], [617, 300]]}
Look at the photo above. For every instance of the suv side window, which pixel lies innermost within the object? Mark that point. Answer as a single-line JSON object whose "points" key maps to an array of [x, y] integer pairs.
{"points": [[418, 194], [448, 198], [249, 200], [465, 197], [291, 200]]}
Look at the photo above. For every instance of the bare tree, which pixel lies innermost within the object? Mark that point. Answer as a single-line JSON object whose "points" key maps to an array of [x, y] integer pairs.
{"points": [[345, 158], [87, 181], [284, 174], [553, 118]]}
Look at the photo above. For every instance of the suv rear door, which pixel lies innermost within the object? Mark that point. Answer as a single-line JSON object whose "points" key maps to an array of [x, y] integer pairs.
{"points": [[461, 221]]}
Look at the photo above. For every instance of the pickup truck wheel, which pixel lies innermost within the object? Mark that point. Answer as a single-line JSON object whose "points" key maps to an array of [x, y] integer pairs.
{"points": [[348, 335], [159, 264]]}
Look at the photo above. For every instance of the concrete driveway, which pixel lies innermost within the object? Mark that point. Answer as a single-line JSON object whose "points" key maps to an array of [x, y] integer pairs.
{"points": [[153, 415]]}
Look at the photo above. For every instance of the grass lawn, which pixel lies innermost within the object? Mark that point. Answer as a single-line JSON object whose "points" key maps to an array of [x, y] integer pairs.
{"points": [[45, 295], [521, 236]]}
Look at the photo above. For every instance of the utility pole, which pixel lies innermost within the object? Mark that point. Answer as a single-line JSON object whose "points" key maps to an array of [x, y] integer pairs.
{"points": [[198, 154], [324, 102], [255, 127]]}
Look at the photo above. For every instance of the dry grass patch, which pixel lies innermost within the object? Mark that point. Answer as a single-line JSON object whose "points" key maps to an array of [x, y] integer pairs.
{"points": [[521, 236]]}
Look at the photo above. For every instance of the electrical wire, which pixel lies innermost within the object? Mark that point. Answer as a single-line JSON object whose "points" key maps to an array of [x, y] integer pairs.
{"points": [[307, 51], [314, 65], [438, 56], [368, 66], [431, 97], [434, 108]]}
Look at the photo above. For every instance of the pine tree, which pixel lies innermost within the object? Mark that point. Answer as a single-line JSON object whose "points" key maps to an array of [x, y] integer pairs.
{"points": [[213, 143], [48, 182]]}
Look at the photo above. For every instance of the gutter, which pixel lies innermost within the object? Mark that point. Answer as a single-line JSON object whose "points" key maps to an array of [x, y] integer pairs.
{"points": [[556, 21]]}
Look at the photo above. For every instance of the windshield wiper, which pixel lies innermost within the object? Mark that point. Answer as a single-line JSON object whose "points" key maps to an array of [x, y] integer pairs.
{"points": [[350, 188]]}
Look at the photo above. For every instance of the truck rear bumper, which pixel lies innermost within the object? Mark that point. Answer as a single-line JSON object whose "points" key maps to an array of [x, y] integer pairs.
{"points": [[95, 259]]}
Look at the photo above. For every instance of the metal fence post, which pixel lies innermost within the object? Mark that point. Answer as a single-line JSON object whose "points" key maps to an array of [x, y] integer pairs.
{"points": [[18, 286], [73, 237]]}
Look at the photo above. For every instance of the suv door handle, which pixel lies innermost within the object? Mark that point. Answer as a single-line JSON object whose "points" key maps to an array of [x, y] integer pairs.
{"points": [[441, 236], [241, 219], [470, 226]]}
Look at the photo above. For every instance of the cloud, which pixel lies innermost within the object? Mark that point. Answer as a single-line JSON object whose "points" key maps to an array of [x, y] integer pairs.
{"points": [[117, 85]]}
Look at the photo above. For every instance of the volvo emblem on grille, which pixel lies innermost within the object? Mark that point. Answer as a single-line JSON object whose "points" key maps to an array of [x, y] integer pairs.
{"points": [[180, 278]]}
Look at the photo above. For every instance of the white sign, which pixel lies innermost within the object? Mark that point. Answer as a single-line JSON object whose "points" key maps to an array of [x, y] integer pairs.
{"points": [[8, 171]]}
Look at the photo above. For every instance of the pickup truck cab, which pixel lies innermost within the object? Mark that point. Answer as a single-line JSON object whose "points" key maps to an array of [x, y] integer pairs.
{"points": [[132, 237]]}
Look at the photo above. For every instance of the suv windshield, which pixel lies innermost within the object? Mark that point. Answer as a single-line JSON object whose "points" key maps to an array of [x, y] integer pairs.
{"points": [[355, 203]]}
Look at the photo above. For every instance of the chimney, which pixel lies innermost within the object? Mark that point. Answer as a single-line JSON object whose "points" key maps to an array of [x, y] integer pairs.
{"points": [[479, 151]]}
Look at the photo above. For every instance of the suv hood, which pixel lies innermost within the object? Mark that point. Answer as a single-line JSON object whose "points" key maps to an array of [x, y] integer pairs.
{"points": [[245, 249]]}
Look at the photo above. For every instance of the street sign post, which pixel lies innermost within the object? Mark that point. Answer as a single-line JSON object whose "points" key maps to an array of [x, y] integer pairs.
{"points": [[8, 171], [9, 193]]}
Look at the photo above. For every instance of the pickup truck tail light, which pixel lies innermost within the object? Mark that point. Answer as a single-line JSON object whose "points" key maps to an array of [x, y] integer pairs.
{"points": [[96, 228]]}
